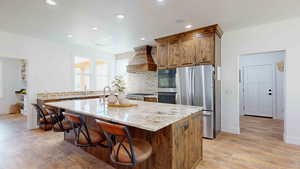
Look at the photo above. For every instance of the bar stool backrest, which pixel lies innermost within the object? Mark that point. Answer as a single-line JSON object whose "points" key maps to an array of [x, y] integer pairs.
{"points": [[118, 135], [79, 127], [40, 111]]}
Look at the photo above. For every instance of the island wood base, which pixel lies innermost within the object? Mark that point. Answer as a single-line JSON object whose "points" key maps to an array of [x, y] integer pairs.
{"points": [[178, 146]]}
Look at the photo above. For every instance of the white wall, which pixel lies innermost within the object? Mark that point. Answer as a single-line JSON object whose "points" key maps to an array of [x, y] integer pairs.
{"points": [[262, 59], [50, 65], [282, 35], [11, 82]]}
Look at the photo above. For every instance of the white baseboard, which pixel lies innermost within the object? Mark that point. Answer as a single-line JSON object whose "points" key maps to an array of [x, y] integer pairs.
{"points": [[291, 140], [232, 131]]}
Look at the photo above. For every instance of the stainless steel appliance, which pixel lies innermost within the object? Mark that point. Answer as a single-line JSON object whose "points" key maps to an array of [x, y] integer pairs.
{"points": [[138, 96], [196, 86], [167, 86], [167, 97], [167, 80]]}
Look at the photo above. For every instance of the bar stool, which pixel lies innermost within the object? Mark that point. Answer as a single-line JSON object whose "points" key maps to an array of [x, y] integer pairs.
{"points": [[45, 119], [84, 137], [60, 123], [124, 150]]}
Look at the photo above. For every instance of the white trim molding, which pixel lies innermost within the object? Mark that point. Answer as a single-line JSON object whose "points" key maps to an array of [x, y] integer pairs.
{"points": [[291, 140], [232, 131]]}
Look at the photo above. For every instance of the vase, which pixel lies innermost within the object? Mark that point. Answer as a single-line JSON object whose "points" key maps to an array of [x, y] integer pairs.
{"points": [[122, 98]]}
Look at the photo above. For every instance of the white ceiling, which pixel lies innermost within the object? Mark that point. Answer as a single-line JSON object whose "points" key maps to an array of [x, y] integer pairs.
{"points": [[144, 18]]}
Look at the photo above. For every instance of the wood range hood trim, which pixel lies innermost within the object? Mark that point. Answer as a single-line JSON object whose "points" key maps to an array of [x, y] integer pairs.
{"points": [[142, 61]]}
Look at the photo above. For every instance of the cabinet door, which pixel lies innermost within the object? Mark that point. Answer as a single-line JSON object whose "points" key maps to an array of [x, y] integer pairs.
{"points": [[205, 50], [162, 55], [174, 53], [188, 51]]}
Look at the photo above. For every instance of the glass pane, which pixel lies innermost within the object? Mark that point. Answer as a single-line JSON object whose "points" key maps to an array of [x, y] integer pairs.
{"points": [[82, 69], [101, 82], [82, 65], [82, 82], [167, 78], [77, 82], [101, 68]]}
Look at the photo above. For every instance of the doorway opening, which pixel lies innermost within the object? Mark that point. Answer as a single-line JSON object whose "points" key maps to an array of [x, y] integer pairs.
{"points": [[262, 93], [13, 94]]}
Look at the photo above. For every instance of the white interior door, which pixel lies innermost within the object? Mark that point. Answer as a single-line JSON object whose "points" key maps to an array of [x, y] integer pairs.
{"points": [[258, 90]]}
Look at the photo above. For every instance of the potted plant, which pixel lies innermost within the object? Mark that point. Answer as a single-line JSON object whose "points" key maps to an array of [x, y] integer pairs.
{"points": [[118, 85]]}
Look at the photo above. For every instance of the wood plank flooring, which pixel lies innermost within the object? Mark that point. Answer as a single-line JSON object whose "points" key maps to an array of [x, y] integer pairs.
{"points": [[259, 146], [36, 149]]}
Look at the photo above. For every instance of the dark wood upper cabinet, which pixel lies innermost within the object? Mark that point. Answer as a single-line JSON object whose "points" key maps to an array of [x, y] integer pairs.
{"points": [[188, 51], [162, 55], [196, 47], [205, 49], [174, 52]]}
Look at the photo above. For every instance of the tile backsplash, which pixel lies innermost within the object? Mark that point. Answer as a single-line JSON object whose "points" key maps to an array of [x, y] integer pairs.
{"points": [[144, 82]]}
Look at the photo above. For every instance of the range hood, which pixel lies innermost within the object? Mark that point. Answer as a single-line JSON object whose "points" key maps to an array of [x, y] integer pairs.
{"points": [[142, 61]]}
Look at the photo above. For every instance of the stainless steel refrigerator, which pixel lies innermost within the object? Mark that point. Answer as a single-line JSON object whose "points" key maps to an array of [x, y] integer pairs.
{"points": [[197, 86]]}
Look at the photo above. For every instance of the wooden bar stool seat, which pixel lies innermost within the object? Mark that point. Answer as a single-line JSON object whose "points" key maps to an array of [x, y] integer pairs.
{"points": [[62, 126], [124, 150], [59, 122], [84, 137], [45, 120], [95, 136], [142, 150]]}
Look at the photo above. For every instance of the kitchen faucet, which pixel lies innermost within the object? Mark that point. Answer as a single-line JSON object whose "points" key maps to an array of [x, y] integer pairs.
{"points": [[85, 90], [104, 95]]}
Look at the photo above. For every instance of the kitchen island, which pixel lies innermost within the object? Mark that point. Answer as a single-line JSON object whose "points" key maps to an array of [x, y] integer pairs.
{"points": [[174, 131]]}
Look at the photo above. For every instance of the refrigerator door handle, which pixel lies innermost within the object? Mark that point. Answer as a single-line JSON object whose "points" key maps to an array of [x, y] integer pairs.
{"points": [[192, 85]]}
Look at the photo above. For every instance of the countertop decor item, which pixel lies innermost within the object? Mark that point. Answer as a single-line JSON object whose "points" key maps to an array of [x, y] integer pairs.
{"points": [[119, 84], [112, 99]]}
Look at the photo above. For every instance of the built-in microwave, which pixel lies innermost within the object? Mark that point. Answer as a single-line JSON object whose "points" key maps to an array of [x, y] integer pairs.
{"points": [[167, 80]]}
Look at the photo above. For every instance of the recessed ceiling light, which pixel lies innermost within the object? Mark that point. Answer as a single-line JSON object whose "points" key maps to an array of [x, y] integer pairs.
{"points": [[143, 38], [179, 21], [188, 26], [51, 2], [70, 36], [120, 16], [160, 0], [94, 28]]}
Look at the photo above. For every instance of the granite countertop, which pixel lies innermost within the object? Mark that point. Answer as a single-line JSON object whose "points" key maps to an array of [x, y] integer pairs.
{"points": [[66, 97], [147, 115]]}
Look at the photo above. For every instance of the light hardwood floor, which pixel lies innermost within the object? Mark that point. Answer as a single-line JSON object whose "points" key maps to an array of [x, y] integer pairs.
{"points": [[36, 149], [259, 146]]}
